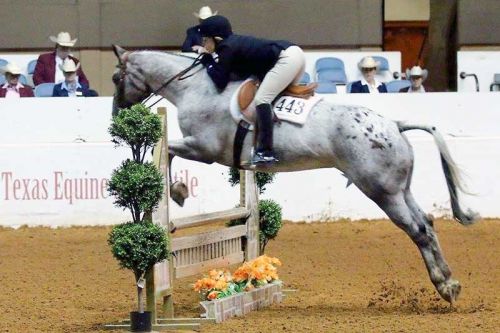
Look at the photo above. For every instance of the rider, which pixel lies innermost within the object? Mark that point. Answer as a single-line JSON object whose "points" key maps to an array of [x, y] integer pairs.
{"points": [[276, 63]]}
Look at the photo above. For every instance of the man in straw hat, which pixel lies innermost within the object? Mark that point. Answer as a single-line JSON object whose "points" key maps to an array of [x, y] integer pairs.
{"points": [[368, 84], [416, 75], [70, 87], [193, 42], [48, 65], [13, 88]]}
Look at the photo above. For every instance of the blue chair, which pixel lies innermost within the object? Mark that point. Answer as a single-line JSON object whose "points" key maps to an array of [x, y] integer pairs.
{"points": [[44, 89], [384, 63], [326, 87], [329, 63], [396, 85], [332, 75], [305, 79], [3, 63], [31, 66]]}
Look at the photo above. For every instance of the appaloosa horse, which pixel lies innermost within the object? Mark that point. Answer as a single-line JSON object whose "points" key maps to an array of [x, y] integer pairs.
{"points": [[369, 149]]}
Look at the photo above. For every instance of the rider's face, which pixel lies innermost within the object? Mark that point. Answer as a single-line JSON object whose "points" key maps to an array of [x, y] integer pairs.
{"points": [[209, 44]]}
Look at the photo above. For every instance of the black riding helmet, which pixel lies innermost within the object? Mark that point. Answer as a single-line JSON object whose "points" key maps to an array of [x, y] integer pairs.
{"points": [[216, 26]]}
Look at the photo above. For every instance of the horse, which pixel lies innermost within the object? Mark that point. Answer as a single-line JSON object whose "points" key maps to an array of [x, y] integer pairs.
{"points": [[370, 150]]}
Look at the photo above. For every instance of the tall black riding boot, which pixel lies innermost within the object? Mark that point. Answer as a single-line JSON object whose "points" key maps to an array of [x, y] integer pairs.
{"points": [[264, 152]]}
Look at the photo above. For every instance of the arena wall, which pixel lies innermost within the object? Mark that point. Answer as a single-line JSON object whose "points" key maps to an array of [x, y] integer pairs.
{"points": [[55, 157]]}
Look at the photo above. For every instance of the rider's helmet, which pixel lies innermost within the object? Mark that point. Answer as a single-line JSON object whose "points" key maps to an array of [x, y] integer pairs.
{"points": [[216, 26]]}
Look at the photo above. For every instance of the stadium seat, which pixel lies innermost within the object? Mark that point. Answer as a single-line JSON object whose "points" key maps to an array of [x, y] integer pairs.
{"points": [[3, 63], [384, 64], [31, 67], [329, 63], [326, 88], [396, 85], [332, 75], [44, 90], [305, 79]]}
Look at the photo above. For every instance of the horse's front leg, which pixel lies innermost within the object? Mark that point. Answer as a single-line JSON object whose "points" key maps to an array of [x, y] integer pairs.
{"points": [[187, 148]]}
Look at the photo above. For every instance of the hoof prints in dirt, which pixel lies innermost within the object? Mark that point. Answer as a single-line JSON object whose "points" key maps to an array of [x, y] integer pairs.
{"points": [[393, 295]]}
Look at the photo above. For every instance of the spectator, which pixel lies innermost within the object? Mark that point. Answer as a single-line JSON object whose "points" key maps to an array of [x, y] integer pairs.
{"points": [[416, 75], [193, 41], [13, 88], [48, 65], [70, 87], [368, 84]]}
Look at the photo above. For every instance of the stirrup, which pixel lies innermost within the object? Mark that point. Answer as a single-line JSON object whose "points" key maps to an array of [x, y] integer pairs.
{"points": [[260, 158]]}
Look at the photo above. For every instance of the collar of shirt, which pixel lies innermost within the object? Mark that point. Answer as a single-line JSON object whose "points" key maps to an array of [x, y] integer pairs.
{"points": [[419, 90], [65, 86], [374, 88]]}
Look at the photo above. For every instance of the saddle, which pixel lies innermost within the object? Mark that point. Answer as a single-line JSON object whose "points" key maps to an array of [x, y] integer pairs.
{"points": [[249, 89]]}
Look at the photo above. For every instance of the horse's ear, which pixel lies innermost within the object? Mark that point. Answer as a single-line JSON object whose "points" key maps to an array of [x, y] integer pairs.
{"points": [[119, 51]]}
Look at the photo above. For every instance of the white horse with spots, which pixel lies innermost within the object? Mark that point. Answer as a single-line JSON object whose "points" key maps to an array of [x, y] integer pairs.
{"points": [[370, 150]]}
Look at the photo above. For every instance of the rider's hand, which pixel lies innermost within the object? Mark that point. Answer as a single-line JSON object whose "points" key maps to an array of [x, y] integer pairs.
{"points": [[207, 59], [199, 49]]}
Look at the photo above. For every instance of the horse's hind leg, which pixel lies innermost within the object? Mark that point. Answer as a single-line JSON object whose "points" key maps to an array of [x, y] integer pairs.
{"points": [[449, 286], [412, 220]]}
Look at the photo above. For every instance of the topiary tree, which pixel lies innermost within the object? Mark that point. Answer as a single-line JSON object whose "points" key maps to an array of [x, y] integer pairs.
{"points": [[261, 178], [270, 221], [138, 247], [137, 186], [138, 128]]}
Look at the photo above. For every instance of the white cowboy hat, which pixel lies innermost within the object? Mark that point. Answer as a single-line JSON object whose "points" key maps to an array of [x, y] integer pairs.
{"points": [[69, 65], [204, 13], [416, 71], [11, 68], [63, 39], [368, 62]]}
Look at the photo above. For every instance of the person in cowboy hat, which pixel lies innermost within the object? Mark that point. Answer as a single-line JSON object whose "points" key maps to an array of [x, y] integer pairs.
{"points": [[14, 88], [368, 84], [276, 63], [193, 40], [48, 65], [416, 75], [70, 87]]}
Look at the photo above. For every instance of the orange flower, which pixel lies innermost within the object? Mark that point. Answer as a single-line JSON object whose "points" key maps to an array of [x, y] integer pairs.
{"points": [[212, 295]]}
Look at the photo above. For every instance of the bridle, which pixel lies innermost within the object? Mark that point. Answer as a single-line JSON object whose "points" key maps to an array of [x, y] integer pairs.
{"points": [[122, 66]]}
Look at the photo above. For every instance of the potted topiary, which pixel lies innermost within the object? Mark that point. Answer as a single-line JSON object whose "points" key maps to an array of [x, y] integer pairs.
{"points": [[137, 186]]}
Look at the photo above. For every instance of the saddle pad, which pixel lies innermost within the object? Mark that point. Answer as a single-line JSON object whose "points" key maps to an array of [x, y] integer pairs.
{"points": [[294, 109]]}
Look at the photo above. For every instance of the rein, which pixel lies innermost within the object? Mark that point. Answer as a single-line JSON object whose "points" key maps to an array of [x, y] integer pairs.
{"points": [[179, 76]]}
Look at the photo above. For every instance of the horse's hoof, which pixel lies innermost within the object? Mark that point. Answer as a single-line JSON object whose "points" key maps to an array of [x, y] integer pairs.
{"points": [[450, 290], [179, 192]]}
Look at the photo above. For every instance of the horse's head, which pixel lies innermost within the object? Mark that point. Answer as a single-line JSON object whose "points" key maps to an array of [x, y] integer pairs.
{"points": [[130, 84]]}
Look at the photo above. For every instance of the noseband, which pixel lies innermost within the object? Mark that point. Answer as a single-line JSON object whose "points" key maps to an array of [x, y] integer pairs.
{"points": [[122, 66]]}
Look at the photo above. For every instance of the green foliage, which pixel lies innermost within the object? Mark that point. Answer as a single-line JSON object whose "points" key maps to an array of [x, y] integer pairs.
{"points": [[138, 246], [136, 186], [138, 128], [270, 221], [261, 178]]}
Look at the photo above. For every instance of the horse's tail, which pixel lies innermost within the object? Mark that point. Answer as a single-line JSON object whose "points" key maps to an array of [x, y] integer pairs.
{"points": [[451, 172]]}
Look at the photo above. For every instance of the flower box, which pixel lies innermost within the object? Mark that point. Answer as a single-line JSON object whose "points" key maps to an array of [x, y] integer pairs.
{"points": [[242, 303]]}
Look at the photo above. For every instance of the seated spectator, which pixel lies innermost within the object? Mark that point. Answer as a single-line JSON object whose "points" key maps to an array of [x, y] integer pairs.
{"points": [[193, 41], [70, 87], [368, 84], [47, 67], [14, 88], [417, 76]]}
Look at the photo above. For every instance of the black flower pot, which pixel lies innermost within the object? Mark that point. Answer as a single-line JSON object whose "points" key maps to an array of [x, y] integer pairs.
{"points": [[140, 322]]}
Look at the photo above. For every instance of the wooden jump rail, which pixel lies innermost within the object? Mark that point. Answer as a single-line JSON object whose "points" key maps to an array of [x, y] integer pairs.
{"points": [[195, 254]]}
